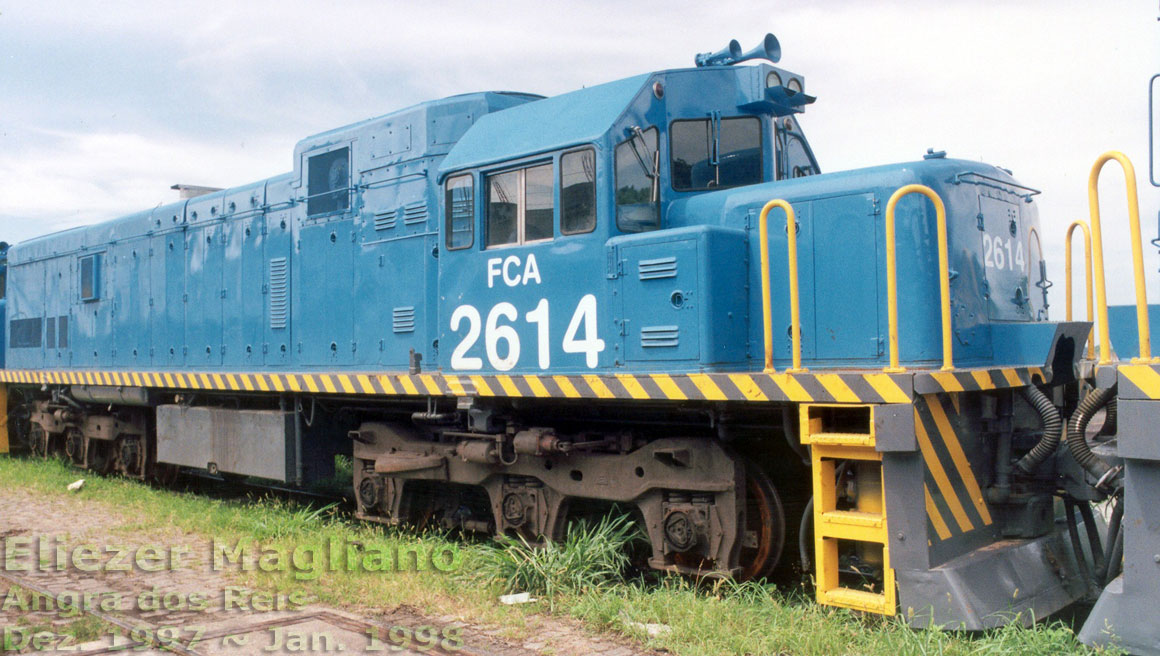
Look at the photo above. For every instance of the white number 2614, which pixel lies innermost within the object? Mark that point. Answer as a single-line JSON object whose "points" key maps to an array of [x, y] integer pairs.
{"points": [[502, 341]]}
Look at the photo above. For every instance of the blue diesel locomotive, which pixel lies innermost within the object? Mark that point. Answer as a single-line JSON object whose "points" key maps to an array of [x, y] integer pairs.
{"points": [[510, 310]]}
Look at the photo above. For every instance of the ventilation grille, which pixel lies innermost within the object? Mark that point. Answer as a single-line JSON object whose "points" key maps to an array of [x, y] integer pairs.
{"points": [[279, 293], [664, 267], [415, 213], [25, 333], [386, 220], [404, 319], [658, 336]]}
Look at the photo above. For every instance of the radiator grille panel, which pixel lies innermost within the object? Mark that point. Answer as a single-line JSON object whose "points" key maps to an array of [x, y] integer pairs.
{"points": [[279, 293]]}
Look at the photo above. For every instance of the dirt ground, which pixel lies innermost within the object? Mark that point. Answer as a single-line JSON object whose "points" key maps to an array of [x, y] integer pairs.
{"points": [[168, 594]]}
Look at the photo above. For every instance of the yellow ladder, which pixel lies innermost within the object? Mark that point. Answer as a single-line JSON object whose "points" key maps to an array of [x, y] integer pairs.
{"points": [[846, 432]]}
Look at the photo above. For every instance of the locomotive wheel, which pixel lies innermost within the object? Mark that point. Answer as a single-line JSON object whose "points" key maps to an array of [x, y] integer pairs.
{"points": [[763, 535], [99, 457], [37, 441], [130, 457], [74, 446]]}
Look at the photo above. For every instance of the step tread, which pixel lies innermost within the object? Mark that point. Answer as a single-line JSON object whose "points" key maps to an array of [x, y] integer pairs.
{"points": [[853, 518], [848, 439], [858, 599]]}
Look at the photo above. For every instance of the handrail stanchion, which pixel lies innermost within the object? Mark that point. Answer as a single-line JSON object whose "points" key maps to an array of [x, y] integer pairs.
{"points": [[1137, 256], [892, 277], [1087, 253], [766, 303], [1043, 283], [1032, 232]]}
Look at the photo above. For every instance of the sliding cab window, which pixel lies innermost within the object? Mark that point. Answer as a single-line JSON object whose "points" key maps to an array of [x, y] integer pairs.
{"points": [[708, 154], [637, 182], [328, 182], [578, 192], [520, 206], [459, 203]]}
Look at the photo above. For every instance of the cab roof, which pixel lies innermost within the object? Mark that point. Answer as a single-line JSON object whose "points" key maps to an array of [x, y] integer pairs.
{"points": [[573, 118]]}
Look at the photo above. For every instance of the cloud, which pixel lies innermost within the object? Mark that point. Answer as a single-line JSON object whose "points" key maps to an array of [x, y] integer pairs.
{"points": [[103, 106], [109, 174]]}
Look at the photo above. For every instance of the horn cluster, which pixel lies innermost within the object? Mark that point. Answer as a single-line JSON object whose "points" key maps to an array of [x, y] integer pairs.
{"points": [[769, 49]]}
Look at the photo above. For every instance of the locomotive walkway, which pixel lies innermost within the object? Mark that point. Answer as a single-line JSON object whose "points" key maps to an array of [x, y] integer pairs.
{"points": [[207, 613]]}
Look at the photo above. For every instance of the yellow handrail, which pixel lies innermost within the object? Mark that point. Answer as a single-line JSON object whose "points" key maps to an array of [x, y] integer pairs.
{"points": [[892, 277], [1087, 269], [766, 303], [1137, 255]]}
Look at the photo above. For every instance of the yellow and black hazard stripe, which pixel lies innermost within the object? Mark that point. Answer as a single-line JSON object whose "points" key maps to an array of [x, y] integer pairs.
{"points": [[955, 503], [363, 384], [974, 380], [802, 388], [811, 387], [1138, 381]]}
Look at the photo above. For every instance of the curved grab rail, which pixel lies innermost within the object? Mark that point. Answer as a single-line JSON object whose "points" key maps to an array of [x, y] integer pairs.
{"points": [[1137, 255], [766, 303], [892, 277], [1032, 232], [1044, 284], [1087, 270]]}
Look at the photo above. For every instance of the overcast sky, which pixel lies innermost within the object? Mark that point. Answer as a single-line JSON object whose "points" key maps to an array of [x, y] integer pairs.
{"points": [[104, 105]]}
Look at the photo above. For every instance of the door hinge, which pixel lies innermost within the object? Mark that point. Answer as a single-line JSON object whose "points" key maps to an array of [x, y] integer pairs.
{"points": [[615, 266]]}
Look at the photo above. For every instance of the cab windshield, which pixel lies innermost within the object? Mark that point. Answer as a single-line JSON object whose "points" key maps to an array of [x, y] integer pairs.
{"points": [[715, 154]]}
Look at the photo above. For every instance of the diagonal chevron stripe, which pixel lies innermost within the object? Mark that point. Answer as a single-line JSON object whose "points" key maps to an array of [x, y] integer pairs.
{"points": [[958, 457], [566, 387], [1144, 378], [936, 518], [837, 388], [598, 387], [983, 379], [670, 389], [747, 387], [632, 386], [948, 381], [887, 388], [939, 474]]}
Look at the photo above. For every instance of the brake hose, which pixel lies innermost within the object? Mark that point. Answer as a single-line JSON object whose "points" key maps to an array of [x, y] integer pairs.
{"points": [[1052, 429], [1077, 432]]}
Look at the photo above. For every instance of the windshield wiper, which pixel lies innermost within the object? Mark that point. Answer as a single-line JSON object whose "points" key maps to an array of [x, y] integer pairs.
{"points": [[653, 173]]}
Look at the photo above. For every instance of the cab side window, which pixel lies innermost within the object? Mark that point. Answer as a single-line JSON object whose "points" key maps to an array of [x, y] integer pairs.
{"points": [[520, 206], [459, 204], [578, 192], [794, 157], [90, 266], [328, 182], [637, 182]]}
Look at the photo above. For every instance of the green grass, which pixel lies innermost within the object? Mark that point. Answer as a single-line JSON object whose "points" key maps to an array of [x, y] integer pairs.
{"points": [[82, 627], [592, 556], [748, 618], [580, 577]]}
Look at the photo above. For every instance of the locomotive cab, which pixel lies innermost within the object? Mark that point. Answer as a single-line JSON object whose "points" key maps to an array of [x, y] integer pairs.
{"points": [[536, 197]]}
